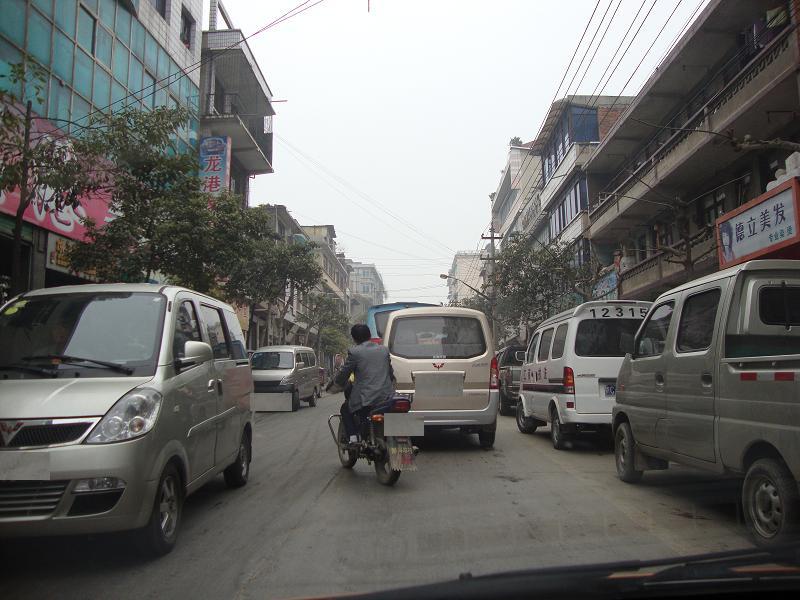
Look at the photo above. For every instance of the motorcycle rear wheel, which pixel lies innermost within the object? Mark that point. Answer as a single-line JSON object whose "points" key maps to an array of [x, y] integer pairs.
{"points": [[347, 457], [385, 474]]}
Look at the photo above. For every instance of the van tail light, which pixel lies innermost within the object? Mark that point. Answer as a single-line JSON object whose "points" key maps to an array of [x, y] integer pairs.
{"points": [[569, 381], [494, 375], [377, 340], [401, 406]]}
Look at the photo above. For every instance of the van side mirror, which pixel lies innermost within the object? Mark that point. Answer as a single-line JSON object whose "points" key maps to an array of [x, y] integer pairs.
{"points": [[519, 355], [626, 343], [300, 365], [196, 353]]}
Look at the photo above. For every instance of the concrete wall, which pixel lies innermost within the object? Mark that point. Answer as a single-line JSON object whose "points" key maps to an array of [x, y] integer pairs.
{"points": [[167, 31]]}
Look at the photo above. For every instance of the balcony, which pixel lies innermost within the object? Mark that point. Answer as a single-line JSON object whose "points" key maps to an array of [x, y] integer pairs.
{"points": [[655, 274], [237, 100], [680, 159], [576, 156]]}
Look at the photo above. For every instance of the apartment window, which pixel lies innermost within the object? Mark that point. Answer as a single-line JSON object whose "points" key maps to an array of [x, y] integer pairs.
{"points": [[712, 207], [584, 124], [187, 28], [743, 189], [86, 29], [160, 6]]}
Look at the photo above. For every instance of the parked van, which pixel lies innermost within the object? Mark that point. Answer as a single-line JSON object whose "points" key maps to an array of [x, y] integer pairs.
{"points": [[569, 376], [713, 383], [283, 376], [116, 402], [445, 357]]}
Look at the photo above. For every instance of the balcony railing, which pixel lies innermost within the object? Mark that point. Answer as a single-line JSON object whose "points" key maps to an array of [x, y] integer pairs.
{"points": [[259, 126], [667, 140]]}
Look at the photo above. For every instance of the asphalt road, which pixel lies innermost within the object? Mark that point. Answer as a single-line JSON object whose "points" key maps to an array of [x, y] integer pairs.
{"points": [[304, 526]]}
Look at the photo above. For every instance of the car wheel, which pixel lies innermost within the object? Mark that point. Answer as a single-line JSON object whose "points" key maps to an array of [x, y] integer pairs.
{"points": [[295, 401], [238, 472], [525, 424], [625, 454], [158, 537], [771, 503], [486, 437], [557, 435], [312, 401]]}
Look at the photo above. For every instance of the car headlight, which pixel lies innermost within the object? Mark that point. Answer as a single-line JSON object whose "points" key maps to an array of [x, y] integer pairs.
{"points": [[288, 380], [132, 416]]}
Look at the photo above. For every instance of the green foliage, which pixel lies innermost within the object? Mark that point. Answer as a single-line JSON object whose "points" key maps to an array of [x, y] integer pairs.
{"points": [[324, 312], [535, 281], [334, 341]]}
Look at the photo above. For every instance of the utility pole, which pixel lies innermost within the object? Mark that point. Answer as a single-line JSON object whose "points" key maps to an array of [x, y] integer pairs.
{"points": [[492, 288]]}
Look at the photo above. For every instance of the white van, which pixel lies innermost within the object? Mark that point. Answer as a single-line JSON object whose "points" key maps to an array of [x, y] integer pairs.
{"points": [[569, 377]]}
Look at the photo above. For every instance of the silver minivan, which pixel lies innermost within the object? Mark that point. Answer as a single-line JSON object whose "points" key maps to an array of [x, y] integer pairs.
{"points": [[444, 357], [116, 402], [283, 376], [713, 383]]}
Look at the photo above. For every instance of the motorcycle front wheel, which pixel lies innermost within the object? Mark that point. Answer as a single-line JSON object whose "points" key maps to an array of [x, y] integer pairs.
{"points": [[347, 457]]}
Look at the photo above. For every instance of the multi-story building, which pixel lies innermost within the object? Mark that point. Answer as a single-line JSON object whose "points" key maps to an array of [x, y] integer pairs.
{"points": [[335, 274], [519, 186], [465, 271], [235, 109], [366, 287], [671, 166], [98, 55], [573, 128]]}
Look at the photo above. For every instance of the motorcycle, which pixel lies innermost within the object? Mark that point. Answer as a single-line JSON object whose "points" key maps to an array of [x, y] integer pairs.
{"points": [[386, 432]]}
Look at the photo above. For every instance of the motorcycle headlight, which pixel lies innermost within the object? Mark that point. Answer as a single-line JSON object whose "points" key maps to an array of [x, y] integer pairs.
{"points": [[132, 416]]}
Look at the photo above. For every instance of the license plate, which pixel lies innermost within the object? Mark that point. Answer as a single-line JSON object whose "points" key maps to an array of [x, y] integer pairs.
{"points": [[403, 425], [611, 390], [24, 466]]}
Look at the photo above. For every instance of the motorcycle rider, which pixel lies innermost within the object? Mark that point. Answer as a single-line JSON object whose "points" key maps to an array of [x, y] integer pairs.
{"points": [[374, 378]]}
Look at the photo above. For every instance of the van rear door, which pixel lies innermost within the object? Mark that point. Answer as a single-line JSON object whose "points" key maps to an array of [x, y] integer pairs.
{"points": [[603, 334], [442, 359]]}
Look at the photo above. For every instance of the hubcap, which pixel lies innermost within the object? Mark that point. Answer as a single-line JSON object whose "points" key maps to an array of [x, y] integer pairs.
{"points": [[168, 507], [622, 448], [244, 461], [766, 508], [555, 428]]}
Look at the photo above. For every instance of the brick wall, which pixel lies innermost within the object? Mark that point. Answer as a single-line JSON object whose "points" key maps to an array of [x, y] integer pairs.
{"points": [[606, 117]]}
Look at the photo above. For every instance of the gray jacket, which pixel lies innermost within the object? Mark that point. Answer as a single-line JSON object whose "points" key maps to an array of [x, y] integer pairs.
{"points": [[374, 376]]}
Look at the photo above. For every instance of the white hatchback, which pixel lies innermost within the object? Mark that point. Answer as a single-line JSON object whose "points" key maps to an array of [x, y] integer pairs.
{"points": [[569, 377]]}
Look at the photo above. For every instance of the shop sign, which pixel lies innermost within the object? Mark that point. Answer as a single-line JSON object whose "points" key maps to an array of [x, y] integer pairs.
{"points": [[766, 225], [58, 248], [215, 163]]}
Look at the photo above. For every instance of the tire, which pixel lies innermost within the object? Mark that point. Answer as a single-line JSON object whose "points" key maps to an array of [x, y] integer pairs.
{"points": [[486, 437], [238, 472], [771, 503], [557, 435], [158, 537], [386, 475], [312, 401], [346, 457], [525, 424], [505, 410], [625, 454], [295, 401]]}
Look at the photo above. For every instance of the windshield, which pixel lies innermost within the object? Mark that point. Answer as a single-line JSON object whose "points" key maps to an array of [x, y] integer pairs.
{"points": [[437, 337], [564, 235], [123, 329], [605, 337], [263, 361]]}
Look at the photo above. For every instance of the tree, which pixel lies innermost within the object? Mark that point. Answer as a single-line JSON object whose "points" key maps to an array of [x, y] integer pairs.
{"points": [[534, 280], [515, 141], [323, 313], [47, 169], [271, 270], [161, 214], [334, 341]]}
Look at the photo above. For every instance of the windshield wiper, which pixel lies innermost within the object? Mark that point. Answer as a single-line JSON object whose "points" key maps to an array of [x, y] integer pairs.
{"points": [[29, 369], [66, 358]]}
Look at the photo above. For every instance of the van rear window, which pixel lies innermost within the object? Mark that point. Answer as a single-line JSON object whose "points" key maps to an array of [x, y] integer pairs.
{"points": [[779, 305], [605, 337], [437, 337], [381, 319]]}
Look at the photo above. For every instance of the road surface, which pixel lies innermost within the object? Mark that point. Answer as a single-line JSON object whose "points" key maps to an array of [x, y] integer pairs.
{"points": [[304, 526]]}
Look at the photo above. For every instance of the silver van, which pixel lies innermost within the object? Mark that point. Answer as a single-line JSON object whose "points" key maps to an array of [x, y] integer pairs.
{"points": [[713, 383], [116, 402], [445, 357], [283, 376]]}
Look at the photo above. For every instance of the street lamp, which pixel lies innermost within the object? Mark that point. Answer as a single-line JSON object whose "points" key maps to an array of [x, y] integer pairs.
{"points": [[482, 295]]}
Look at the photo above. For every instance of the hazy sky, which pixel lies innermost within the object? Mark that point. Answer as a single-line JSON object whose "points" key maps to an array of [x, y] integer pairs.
{"points": [[396, 123]]}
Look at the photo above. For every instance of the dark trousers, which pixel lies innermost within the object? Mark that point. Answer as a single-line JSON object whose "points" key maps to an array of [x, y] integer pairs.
{"points": [[352, 420]]}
